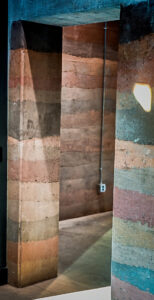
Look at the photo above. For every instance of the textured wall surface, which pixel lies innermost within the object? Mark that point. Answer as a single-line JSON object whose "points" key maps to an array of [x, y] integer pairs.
{"points": [[133, 225], [34, 142], [3, 140], [82, 81], [33, 152]]}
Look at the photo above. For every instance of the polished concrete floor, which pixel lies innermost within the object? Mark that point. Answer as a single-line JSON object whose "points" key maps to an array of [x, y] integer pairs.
{"points": [[84, 264], [96, 294]]}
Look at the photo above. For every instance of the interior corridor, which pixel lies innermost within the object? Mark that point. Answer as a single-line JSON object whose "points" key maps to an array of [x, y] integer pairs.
{"points": [[84, 260]]}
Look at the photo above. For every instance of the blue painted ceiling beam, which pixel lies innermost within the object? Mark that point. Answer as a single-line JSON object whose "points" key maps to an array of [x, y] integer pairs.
{"points": [[67, 12]]}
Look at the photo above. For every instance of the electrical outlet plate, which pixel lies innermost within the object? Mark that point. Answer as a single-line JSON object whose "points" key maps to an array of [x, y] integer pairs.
{"points": [[102, 188]]}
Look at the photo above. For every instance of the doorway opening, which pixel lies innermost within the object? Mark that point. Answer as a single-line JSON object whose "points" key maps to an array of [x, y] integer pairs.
{"points": [[85, 213], [56, 90]]}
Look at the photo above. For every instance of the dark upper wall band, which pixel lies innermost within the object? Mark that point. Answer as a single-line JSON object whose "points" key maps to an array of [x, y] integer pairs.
{"points": [[37, 37], [142, 21]]}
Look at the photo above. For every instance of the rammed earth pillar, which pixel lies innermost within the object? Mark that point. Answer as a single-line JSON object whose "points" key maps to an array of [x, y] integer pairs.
{"points": [[133, 224], [34, 152]]}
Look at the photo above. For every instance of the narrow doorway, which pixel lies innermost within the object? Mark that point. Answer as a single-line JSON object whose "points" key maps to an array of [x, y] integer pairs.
{"points": [[85, 213], [48, 84]]}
